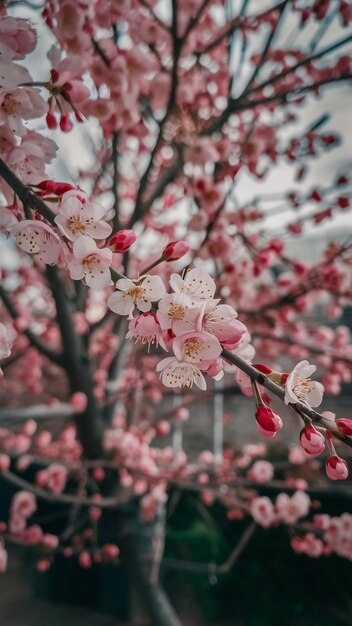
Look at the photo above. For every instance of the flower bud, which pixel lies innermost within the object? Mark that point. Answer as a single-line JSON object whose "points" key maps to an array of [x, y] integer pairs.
{"points": [[336, 468], [51, 187], [85, 560], [51, 121], [267, 419], [269, 434], [79, 401], [264, 369], [312, 442], [122, 240], [175, 250], [65, 124], [345, 426]]}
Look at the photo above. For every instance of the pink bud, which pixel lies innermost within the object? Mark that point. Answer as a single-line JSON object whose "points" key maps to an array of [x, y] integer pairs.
{"points": [[43, 565], [267, 419], [51, 121], [336, 468], [269, 434], [345, 426], [175, 250], [265, 369], [4, 462], [50, 186], [312, 442], [110, 550], [162, 428], [79, 401], [122, 241], [84, 560], [65, 124]]}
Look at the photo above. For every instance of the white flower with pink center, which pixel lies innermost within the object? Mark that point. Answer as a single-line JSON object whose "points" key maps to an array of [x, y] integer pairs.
{"points": [[220, 320], [197, 347], [175, 373], [90, 263], [300, 388], [177, 313], [76, 218], [146, 328], [38, 239], [262, 511], [197, 284], [138, 294], [290, 509]]}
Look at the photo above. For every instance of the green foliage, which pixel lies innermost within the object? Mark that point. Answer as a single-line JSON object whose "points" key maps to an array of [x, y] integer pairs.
{"points": [[268, 586]]}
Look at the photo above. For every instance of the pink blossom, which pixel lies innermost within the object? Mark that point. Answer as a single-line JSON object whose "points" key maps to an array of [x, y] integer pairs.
{"points": [[43, 565], [19, 103], [17, 37], [140, 294], [262, 511], [261, 472], [146, 328], [300, 388], [220, 320], [56, 477], [110, 550], [23, 504], [7, 220], [196, 347], [28, 159], [37, 238], [5, 462], [175, 373], [177, 313], [76, 218], [90, 263], [290, 509], [79, 401], [197, 284]]}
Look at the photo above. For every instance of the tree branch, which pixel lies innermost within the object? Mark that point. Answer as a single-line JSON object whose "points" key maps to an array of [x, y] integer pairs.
{"points": [[279, 392], [25, 194]]}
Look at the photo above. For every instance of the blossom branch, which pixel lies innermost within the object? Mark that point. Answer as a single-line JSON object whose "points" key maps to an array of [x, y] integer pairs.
{"points": [[25, 194], [279, 392]]}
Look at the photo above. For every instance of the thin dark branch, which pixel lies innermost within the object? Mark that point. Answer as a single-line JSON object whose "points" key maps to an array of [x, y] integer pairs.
{"points": [[140, 207], [66, 498], [266, 49], [115, 180], [279, 392], [25, 194], [305, 61]]}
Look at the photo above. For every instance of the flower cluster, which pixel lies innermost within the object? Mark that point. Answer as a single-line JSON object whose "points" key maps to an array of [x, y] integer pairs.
{"points": [[189, 322]]}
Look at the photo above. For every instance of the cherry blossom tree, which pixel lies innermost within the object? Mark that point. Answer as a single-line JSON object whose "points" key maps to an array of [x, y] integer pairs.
{"points": [[147, 276]]}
